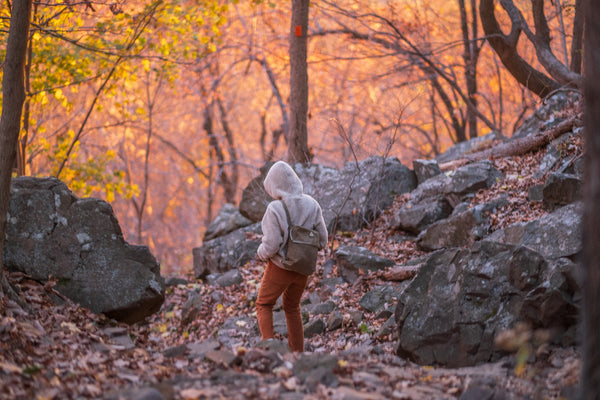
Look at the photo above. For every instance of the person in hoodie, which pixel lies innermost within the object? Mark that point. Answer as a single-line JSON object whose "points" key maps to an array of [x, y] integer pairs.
{"points": [[282, 183]]}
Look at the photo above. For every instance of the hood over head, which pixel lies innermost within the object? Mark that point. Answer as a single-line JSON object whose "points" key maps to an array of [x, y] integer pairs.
{"points": [[281, 181]]}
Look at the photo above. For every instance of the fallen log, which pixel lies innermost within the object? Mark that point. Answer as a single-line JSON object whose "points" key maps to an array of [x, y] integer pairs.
{"points": [[401, 272], [516, 147]]}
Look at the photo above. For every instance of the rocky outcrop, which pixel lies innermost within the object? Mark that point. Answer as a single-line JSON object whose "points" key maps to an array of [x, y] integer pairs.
{"points": [[350, 197], [52, 234], [461, 298], [435, 198], [471, 285]]}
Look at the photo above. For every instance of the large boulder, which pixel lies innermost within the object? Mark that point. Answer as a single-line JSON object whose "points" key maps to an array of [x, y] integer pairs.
{"points": [[52, 234], [228, 220], [461, 228], [458, 184], [425, 169], [226, 252], [561, 189], [462, 298], [350, 197], [415, 217], [353, 261], [554, 235]]}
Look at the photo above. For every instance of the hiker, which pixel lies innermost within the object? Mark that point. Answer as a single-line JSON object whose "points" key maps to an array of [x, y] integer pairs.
{"points": [[279, 278]]}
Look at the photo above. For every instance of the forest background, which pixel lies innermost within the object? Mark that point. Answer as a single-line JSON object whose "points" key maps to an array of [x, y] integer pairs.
{"points": [[167, 109]]}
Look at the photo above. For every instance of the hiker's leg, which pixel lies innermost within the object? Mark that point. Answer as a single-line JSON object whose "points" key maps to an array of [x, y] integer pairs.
{"points": [[291, 305], [271, 288]]}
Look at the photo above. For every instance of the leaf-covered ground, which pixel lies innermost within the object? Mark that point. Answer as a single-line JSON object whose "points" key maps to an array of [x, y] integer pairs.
{"points": [[57, 350]]}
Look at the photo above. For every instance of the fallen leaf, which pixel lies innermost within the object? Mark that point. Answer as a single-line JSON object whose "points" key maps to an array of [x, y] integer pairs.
{"points": [[10, 367]]}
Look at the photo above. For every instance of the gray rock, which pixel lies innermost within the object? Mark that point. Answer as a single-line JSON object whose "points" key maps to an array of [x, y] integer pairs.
{"points": [[230, 278], [425, 169], [414, 218], [115, 331], [274, 345], [228, 220], [320, 308], [460, 229], [224, 253], [314, 327], [561, 189], [460, 149], [175, 351], [237, 331], [223, 357], [351, 260], [192, 308], [387, 328], [53, 234], [554, 155], [261, 360], [554, 235], [334, 321], [535, 193], [379, 298], [145, 394], [317, 368], [460, 299], [483, 389], [199, 350], [119, 336], [124, 342], [472, 177], [459, 184], [241, 383]]}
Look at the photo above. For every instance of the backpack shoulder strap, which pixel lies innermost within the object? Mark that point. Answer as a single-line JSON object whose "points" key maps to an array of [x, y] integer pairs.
{"points": [[289, 229], [287, 215]]}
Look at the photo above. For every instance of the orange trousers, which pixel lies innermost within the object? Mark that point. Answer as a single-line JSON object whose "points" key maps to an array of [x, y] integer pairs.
{"points": [[275, 282]]}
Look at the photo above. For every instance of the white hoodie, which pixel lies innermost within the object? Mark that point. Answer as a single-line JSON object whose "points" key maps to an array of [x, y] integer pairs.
{"points": [[280, 183]]}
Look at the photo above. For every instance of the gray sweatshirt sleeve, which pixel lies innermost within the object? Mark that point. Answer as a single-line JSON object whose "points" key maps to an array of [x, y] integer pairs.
{"points": [[322, 229]]}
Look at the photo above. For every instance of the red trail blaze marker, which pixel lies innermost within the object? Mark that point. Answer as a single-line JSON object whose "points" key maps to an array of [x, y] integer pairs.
{"points": [[298, 30]]}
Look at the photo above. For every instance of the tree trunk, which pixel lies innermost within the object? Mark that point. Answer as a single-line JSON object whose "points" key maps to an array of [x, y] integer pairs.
{"points": [[577, 42], [298, 137], [13, 91], [470, 56], [590, 379]]}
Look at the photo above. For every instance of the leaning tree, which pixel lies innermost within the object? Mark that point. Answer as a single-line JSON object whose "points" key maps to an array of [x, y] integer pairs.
{"points": [[557, 73]]}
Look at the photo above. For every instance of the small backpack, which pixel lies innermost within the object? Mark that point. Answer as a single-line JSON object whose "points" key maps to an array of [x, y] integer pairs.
{"points": [[301, 247]]}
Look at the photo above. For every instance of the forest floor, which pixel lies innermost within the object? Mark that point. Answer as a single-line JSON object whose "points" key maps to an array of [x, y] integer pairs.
{"points": [[58, 350]]}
